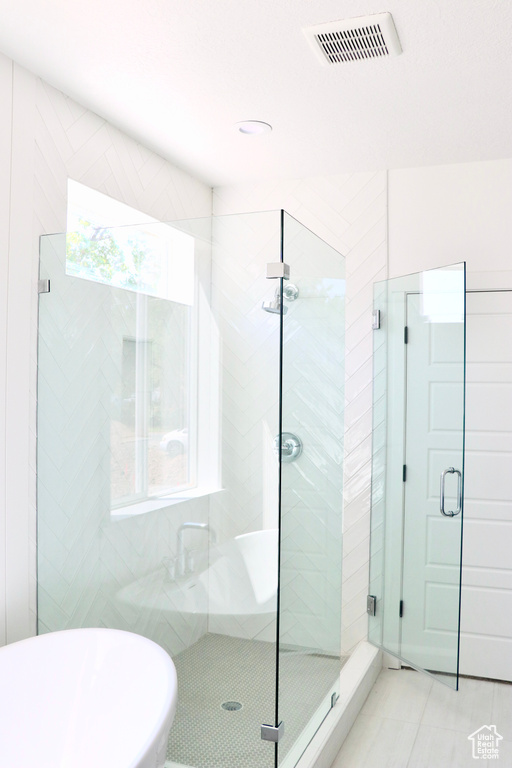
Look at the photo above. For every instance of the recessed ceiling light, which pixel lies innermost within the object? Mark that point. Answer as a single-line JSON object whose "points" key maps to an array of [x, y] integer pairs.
{"points": [[252, 127]]}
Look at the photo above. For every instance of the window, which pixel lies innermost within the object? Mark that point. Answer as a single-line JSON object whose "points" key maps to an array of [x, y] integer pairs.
{"points": [[151, 323], [111, 243]]}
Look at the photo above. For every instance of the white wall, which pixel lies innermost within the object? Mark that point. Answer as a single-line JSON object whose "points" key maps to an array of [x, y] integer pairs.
{"points": [[435, 216], [349, 213], [249, 372], [313, 409], [44, 138], [438, 216], [451, 213]]}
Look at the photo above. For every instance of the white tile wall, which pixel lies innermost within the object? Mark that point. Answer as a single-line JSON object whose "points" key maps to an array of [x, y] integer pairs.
{"points": [[53, 138], [94, 570], [249, 341], [313, 408], [313, 404], [350, 213]]}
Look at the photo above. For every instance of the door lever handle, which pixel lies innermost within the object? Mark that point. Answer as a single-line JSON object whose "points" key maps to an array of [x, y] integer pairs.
{"points": [[458, 509]]}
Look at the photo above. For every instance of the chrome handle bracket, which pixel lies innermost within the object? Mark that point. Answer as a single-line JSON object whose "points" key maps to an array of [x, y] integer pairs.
{"points": [[458, 509]]}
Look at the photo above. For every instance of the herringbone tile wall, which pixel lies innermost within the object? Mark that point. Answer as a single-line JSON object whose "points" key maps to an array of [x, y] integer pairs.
{"points": [[73, 142], [249, 341], [53, 137], [350, 213], [313, 408], [56, 138], [312, 487], [93, 569], [366, 264], [379, 459]]}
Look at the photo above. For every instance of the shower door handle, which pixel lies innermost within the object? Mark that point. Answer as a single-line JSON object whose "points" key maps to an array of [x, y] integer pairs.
{"points": [[458, 509]]}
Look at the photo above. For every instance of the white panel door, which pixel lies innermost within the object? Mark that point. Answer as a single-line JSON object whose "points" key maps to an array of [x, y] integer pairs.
{"points": [[433, 443], [486, 621]]}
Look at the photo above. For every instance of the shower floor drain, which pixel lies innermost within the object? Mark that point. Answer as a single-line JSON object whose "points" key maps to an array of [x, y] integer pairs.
{"points": [[231, 706]]}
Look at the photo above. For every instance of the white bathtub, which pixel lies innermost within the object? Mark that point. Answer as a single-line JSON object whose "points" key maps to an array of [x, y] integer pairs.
{"points": [[239, 580], [85, 698]]}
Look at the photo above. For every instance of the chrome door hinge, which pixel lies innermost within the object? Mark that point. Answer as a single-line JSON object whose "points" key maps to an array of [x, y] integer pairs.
{"points": [[272, 733], [371, 605], [276, 269], [376, 319], [401, 609], [43, 286]]}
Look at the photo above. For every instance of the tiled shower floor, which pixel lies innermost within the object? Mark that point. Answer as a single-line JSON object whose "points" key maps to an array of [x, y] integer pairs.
{"points": [[220, 669]]}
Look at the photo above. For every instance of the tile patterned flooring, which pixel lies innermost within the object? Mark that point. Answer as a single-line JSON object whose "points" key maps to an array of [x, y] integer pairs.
{"points": [[412, 721], [219, 668]]}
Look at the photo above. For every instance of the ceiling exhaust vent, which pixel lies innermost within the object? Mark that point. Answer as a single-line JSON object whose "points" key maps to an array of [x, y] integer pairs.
{"points": [[365, 37]]}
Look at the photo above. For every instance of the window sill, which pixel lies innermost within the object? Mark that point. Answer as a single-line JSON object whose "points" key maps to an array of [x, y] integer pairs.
{"points": [[162, 502]]}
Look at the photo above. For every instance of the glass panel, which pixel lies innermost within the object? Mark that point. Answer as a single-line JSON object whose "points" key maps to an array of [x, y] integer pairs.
{"points": [[158, 405], [418, 469], [313, 304], [245, 513]]}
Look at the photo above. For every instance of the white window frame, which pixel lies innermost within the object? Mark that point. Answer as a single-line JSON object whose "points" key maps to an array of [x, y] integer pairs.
{"points": [[203, 364]]}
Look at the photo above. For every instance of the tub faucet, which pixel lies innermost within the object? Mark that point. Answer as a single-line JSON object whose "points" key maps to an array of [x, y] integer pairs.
{"points": [[181, 566]]}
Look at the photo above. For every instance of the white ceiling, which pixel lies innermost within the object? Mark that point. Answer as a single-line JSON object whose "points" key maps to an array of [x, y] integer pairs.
{"points": [[177, 75]]}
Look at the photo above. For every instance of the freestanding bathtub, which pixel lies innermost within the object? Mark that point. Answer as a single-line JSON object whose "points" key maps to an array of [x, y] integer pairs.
{"points": [[239, 579], [85, 698]]}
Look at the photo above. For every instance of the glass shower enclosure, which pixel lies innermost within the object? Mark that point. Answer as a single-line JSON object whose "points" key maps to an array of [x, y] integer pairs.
{"points": [[190, 466]]}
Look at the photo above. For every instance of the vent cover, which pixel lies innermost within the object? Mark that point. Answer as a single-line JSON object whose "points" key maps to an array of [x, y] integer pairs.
{"points": [[365, 37]]}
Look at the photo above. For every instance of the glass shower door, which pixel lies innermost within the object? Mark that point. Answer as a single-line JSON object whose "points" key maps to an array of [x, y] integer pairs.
{"points": [[418, 469], [311, 484]]}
